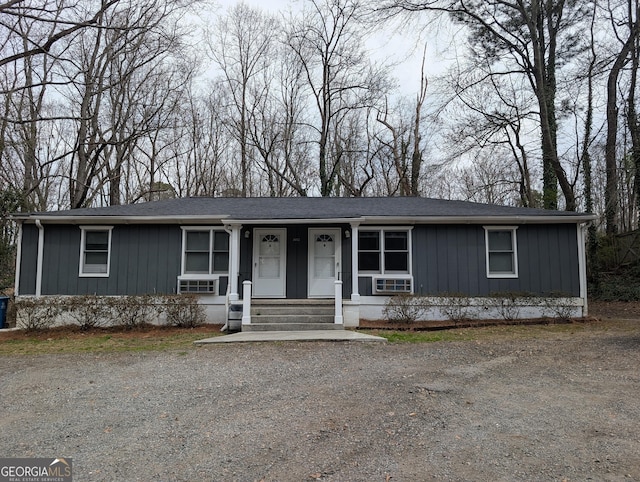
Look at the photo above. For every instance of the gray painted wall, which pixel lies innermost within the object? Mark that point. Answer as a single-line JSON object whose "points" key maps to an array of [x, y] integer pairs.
{"points": [[446, 259], [28, 260], [452, 259], [145, 259]]}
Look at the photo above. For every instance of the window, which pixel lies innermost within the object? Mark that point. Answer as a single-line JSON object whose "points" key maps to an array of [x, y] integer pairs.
{"points": [[502, 254], [384, 251], [206, 251], [95, 251], [369, 251], [396, 252]]}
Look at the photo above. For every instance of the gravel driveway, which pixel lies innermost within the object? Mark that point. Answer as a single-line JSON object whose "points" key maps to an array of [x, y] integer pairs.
{"points": [[553, 407]]}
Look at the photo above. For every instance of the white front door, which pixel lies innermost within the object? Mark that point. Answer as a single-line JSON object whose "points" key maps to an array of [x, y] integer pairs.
{"points": [[324, 261], [269, 263]]}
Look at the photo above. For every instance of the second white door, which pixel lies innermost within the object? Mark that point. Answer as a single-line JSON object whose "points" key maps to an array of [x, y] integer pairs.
{"points": [[324, 261]]}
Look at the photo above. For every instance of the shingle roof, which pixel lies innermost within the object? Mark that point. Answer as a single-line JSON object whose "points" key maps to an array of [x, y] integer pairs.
{"points": [[312, 208]]}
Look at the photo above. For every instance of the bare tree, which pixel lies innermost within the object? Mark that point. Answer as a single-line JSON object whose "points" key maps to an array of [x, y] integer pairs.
{"points": [[405, 145], [495, 116], [276, 131], [53, 20], [113, 66], [241, 46], [80, 72], [327, 40], [490, 179], [621, 59], [525, 37]]}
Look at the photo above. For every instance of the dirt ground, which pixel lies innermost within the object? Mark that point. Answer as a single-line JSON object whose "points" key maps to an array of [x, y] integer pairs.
{"points": [[629, 310], [545, 404]]}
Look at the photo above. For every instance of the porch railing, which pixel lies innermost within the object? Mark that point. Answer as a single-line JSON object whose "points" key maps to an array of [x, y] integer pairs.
{"points": [[246, 302], [338, 319]]}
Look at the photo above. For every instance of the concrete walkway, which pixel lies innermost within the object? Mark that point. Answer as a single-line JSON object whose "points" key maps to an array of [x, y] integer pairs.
{"points": [[310, 335]]}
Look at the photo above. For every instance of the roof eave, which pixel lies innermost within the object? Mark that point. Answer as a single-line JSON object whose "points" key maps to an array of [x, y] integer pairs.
{"points": [[122, 219], [226, 219], [498, 219]]}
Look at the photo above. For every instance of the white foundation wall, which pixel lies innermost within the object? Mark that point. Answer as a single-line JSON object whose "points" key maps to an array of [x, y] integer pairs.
{"points": [[372, 308], [351, 314], [214, 308]]}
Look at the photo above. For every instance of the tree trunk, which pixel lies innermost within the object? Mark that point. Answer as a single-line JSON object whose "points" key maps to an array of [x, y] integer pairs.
{"points": [[634, 127], [611, 188]]}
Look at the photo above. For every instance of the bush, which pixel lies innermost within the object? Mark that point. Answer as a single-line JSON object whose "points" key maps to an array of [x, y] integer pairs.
{"points": [[37, 313], [622, 284], [183, 311], [553, 306], [133, 311], [457, 308], [509, 303], [617, 292], [406, 308], [89, 311], [506, 305]]}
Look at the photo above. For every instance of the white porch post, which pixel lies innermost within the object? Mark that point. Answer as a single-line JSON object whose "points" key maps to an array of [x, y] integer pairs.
{"points": [[338, 320], [40, 259], [234, 262], [355, 295], [16, 289], [582, 266], [246, 302]]}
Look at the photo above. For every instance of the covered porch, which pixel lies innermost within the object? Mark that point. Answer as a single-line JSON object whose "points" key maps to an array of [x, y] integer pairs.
{"points": [[295, 276]]}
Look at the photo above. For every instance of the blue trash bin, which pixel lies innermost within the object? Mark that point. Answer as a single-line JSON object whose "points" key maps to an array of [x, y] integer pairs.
{"points": [[4, 305]]}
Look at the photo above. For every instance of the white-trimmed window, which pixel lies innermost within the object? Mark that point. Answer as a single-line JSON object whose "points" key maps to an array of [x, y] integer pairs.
{"points": [[95, 251], [502, 251], [205, 257], [205, 251], [384, 251]]}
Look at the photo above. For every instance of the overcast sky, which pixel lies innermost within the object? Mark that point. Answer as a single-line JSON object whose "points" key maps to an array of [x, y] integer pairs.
{"points": [[387, 43]]}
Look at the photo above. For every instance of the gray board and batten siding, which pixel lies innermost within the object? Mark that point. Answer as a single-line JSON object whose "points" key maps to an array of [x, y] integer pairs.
{"points": [[145, 259], [450, 259]]}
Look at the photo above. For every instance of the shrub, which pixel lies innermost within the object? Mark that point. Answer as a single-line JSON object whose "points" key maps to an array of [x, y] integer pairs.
{"points": [[37, 313], [457, 308], [553, 306], [506, 306], [509, 303], [618, 291], [89, 311], [623, 284], [133, 311], [183, 311], [406, 308]]}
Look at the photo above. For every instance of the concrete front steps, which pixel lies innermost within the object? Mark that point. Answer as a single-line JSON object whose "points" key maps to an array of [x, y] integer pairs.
{"points": [[292, 315]]}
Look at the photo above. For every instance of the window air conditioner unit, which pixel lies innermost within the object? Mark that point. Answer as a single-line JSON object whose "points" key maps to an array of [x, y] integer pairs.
{"points": [[391, 285], [198, 286]]}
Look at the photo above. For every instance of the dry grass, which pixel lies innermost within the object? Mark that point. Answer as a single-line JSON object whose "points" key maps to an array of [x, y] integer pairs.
{"points": [[514, 331], [106, 340], [73, 340]]}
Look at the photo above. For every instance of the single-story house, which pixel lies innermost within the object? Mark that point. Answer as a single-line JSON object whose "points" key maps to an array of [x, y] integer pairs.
{"points": [[353, 252]]}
